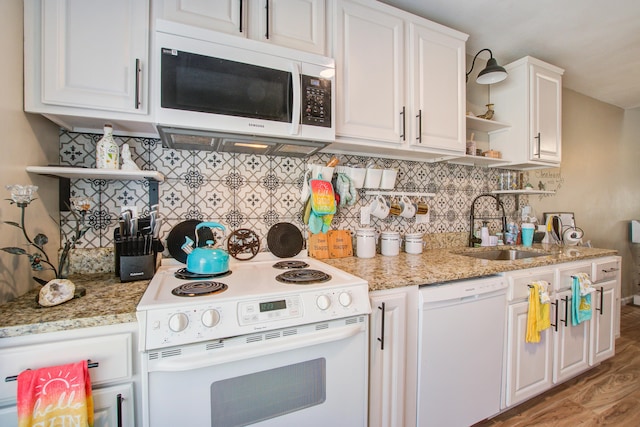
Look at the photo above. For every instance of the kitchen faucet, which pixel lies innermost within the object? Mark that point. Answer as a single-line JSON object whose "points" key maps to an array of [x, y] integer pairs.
{"points": [[472, 239]]}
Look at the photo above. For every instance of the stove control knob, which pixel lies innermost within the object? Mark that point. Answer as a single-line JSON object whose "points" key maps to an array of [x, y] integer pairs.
{"points": [[323, 302], [345, 299], [178, 322], [210, 318]]}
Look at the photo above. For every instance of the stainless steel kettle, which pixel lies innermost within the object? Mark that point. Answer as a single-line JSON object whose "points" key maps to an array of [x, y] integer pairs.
{"points": [[206, 259]]}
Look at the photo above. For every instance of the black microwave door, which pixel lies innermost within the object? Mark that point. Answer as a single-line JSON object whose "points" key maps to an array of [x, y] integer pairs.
{"points": [[200, 83]]}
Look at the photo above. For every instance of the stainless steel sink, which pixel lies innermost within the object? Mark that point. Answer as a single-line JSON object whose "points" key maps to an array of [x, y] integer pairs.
{"points": [[504, 254]]}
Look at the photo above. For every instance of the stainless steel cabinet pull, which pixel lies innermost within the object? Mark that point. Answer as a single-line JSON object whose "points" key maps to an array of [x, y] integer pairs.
{"points": [[240, 26], [138, 95], [601, 290], [419, 117], [90, 365], [266, 6], [402, 113], [119, 400], [381, 339], [538, 138]]}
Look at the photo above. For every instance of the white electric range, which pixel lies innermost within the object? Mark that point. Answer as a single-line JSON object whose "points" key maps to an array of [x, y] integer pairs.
{"points": [[270, 343]]}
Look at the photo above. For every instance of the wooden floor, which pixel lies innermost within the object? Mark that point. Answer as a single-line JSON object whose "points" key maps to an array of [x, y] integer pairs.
{"points": [[609, 394]]}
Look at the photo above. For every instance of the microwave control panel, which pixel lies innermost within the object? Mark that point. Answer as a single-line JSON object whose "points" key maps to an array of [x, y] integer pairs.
{"points": [[316, 101]]}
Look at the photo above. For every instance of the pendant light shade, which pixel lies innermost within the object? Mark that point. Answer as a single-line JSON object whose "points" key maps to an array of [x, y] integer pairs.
{"points": [[493, 73]]}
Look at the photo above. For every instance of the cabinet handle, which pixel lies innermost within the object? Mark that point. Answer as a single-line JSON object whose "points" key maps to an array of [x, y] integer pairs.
{"points": [[240, 25], [381, 339], [402, 113], [119, 400], [611, 270], [555, 325], [90, 365], [138, 85], [601, 290], [566, 311], [538, 138], [419, 117], [266, 6]]}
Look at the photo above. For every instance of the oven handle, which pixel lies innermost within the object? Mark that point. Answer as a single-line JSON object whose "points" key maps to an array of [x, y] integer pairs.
{"points": [[196, 361]]}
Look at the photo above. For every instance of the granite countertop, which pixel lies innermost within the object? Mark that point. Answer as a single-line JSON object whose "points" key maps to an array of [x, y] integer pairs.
{"points": [[108, 301], [443, 265]]}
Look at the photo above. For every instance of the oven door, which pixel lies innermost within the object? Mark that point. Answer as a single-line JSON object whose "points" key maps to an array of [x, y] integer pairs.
{"points": [[311, 375]]}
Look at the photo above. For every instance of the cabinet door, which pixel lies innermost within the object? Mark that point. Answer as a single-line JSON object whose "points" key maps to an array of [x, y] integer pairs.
{"points": [[387, 360], [298, 24], [437, 90], [95, 63], [114, 406], [227, 16], [603, 322], [369, 54], [546, 112], [572, 343], [528, 365]]}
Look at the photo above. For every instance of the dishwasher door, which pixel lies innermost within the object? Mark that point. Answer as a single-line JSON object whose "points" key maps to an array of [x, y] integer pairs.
{"points": [[460, 351]]}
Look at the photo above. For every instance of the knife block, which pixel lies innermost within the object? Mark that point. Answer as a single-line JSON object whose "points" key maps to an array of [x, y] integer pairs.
{"points": [[138, 267]]}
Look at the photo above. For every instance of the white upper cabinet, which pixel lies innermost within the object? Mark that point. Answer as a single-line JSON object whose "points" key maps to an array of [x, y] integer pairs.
{"points": [[437, 89], [369, 54], [298, 24], [88, 59], [530, 99], [400, 84]]}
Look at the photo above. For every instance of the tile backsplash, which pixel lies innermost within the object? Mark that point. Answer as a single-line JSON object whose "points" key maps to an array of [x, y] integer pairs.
{"points": [[256, 192]]}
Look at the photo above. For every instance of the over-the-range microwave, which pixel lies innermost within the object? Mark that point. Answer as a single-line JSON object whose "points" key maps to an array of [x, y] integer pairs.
{"points": [[225, 93]]}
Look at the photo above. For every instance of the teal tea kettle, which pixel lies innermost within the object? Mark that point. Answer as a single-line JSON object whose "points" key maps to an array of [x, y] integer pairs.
{"points": [[206, 259]]}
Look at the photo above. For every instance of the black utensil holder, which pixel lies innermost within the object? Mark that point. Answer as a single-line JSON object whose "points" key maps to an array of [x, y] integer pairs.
{"points": [[138, 267], [133, 263]]}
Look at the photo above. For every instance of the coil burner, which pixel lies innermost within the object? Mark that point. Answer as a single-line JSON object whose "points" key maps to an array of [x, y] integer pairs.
{"points": [[197, 289], [303, 277], [290, 264]]}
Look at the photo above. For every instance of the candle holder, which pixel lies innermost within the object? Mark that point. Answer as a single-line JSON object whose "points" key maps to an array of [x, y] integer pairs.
{"points": [[22, 196]]}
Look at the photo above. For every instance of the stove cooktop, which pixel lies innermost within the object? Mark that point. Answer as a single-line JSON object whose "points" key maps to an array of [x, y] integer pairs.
{"points": [[253, 300]]}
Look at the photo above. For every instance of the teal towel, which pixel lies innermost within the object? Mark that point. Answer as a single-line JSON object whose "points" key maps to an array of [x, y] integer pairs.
{"points": [[580, 305]]}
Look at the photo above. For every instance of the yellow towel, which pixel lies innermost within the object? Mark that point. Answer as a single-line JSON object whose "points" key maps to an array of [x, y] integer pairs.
{"points": [[538, 314]]}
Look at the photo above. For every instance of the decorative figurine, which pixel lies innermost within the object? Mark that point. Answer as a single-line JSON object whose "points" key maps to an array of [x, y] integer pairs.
{"points": [[489, 114], [127, 163]]}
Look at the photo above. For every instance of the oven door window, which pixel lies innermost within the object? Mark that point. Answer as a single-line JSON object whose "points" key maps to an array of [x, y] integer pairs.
{"points": [[268, 394], [201, 83]]}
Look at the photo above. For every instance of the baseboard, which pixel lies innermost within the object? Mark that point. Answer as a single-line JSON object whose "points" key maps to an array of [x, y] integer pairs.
{"points": [[628, 300]]}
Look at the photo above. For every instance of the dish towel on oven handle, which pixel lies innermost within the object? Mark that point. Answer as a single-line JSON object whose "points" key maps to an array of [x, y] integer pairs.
{"points": [[55, 396], [323, 205], [538, 313], [581, 290]]}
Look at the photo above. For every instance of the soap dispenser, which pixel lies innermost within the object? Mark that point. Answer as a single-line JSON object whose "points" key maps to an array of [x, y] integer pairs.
{"points": [[484, 234]]}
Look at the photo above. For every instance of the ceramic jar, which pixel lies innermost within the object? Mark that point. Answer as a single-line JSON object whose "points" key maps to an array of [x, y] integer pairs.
{"points": [[413, 243], [366, 242], [390, 243]]}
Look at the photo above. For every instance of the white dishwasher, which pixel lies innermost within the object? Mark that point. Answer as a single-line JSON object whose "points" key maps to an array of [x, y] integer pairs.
{"points": [[460, 350]]}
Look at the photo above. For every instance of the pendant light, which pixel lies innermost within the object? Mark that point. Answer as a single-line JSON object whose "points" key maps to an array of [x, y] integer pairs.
{"points": [[493, 73]]}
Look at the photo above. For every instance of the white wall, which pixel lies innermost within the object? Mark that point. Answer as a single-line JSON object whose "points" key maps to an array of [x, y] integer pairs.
{"points": [[601, 175], [25, 140]]}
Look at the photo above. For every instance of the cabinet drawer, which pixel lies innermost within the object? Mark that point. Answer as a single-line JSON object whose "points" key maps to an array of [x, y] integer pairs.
{"points": [[519, 283], [605, 270], [564, 275], [113, 354]]}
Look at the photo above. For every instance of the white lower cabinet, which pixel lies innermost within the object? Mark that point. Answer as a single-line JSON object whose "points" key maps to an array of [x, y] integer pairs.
{"points": [[565, 350], [392, 357], [115, 378], [528, 366]]}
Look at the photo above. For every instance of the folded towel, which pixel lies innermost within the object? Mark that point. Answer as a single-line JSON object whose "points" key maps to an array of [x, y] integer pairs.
{"points": [[581, 298], [55, 396], [538, 318]]}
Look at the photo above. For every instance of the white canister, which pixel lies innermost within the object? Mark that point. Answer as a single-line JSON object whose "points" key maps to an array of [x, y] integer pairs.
{"points": [[413, 243], [389, 243], [365, 242]]}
